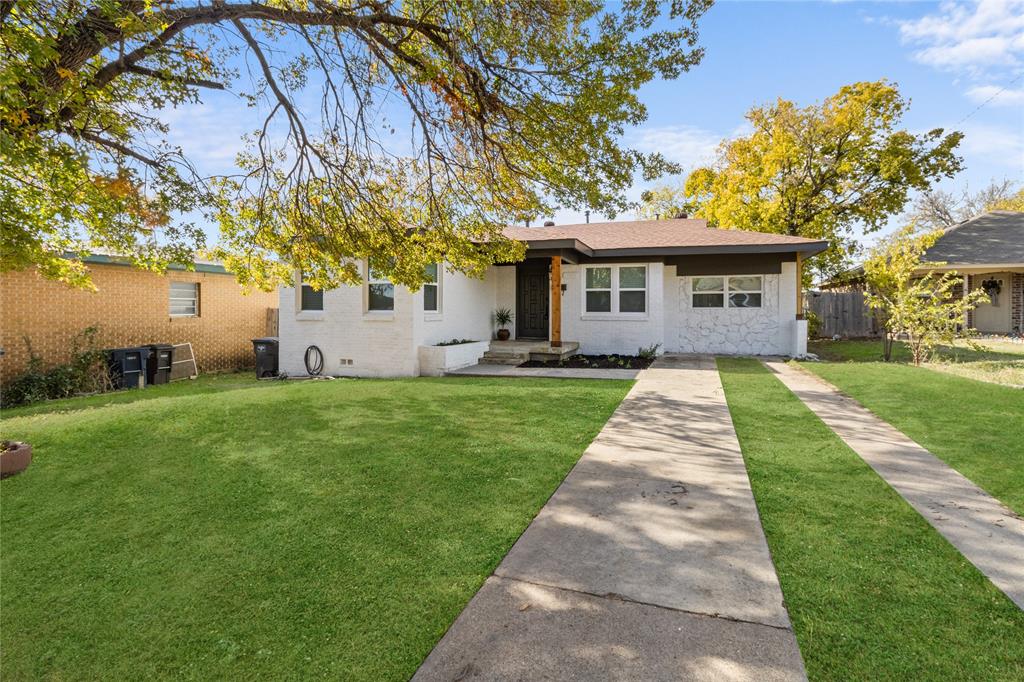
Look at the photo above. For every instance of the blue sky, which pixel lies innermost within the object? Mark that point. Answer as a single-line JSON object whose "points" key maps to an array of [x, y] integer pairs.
{"points": [[948, 58]]}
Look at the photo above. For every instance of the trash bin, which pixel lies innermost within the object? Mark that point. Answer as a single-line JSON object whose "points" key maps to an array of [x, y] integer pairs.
{"points": [[128, 367], [158, 366], [266, 356]]}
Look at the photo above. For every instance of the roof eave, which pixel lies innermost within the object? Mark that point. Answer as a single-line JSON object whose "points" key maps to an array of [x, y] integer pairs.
{"points": [[807, 249]]}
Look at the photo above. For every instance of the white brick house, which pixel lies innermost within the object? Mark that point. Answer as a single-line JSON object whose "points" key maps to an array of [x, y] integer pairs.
{"points": [[620, 286]]}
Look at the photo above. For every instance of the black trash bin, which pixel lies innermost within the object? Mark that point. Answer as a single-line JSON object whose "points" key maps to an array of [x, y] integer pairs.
{"points": [[128, 367], [158, 367], [266, 356]]}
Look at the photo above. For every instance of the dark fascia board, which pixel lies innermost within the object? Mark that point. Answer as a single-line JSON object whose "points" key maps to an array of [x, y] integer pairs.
{"points": [[547, 244], [808, 249], [568, 255], [102, 259]]}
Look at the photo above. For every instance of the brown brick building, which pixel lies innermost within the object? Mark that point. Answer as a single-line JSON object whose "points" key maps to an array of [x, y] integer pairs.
{"points": [[206, 308]]}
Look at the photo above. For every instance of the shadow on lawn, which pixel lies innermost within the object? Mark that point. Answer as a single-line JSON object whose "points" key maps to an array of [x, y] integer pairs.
{"points": [[208, 384]]}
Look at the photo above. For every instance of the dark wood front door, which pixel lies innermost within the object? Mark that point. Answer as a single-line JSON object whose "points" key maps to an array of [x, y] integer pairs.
{"points": [[532, 300]]}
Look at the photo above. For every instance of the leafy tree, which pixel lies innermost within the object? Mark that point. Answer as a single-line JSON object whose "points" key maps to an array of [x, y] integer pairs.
{"points": [[663, 202], [510, 109], [823, 170], [924, 307], [937, 209], [1014, 202]]}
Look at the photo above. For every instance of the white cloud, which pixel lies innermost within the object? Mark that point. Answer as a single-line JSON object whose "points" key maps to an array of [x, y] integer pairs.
{"points": [[996, 144], [996, 96], [972, 37], [688, 146]]}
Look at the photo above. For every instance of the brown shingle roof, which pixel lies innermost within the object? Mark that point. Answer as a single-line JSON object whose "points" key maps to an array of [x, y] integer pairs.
{"points": [[657, 234]]}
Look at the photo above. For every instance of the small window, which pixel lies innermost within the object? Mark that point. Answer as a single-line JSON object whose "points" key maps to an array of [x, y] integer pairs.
{"points": [[633, 289], [708, 292], [432, 289], [381, 292], [310, 298], [745, 292], [184, 299], [599, 290]]}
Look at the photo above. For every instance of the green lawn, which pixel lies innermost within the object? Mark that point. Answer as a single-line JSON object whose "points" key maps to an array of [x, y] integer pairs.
{"points": [[873, 591], [225, 529], [975, 427], [997, 362]]}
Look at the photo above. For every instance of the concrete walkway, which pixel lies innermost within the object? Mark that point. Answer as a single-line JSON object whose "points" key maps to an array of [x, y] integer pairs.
{"points": [[648, 562], [545, 372], [987, 533]]}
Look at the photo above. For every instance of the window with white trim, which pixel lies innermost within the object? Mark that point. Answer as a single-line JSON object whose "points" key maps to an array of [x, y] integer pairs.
{"points": [[380, 293], [599, 290], [310, 299], [432, 289], [745, 291], [616, 289], [632, 289], [184, 299], [741, 291]]}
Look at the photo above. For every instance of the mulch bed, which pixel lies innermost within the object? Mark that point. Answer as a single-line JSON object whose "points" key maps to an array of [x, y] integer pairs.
{"points": [[595, 362]]}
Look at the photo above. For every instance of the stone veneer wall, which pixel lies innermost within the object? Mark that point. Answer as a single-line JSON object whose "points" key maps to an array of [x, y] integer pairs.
{"points": [[754, 331]]}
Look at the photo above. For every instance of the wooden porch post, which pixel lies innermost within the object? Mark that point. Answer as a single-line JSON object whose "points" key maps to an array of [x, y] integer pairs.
{"points": [[556, 301], [799, 286]]}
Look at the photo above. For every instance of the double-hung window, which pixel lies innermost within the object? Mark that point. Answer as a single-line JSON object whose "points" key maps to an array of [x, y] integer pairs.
{"points": [[633, 289], [741, 291], [310, 299], [745, 292], [380, 293], [599, 290], [184, 299], [432, 289], [616, 289]]}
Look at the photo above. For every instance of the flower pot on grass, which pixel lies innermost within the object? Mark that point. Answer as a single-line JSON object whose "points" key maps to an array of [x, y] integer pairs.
{"points": [[14, 458]]}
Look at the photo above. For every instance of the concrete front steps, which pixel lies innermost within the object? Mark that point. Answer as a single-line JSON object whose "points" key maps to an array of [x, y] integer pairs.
{"points": [[518, 352], [504, 357]]}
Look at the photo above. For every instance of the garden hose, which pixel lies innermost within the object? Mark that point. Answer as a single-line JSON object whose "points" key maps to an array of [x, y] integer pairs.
{"points": [[314, 361]]}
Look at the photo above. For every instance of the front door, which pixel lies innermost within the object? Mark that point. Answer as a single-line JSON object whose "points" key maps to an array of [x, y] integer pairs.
{"points": [[994, 316], [532, 299]]}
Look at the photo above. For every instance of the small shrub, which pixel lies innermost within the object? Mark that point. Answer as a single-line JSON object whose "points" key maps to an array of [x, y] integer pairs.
{"points": [[648, 352], [813, 324], [455, 342], [85, 373]]}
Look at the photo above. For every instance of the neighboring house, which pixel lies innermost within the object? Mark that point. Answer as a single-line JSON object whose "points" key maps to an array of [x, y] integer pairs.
{"points": [[206, 308], [617, 287], [989, 252]]}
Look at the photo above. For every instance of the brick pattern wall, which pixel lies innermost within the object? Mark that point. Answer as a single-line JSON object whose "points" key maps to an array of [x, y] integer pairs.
{"points": [[130, 307], [1017, 301]]}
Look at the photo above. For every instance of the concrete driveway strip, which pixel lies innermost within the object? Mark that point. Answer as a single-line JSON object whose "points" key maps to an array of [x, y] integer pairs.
{"points": [[987, 533], [648, 562]]}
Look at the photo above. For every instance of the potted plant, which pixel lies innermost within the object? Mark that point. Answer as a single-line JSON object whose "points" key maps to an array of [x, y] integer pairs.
{"points": [[14, 457], [503, 318]]}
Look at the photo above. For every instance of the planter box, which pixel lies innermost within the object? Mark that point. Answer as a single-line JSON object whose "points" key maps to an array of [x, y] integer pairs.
{"points": [[15, 460], [436, 360]]}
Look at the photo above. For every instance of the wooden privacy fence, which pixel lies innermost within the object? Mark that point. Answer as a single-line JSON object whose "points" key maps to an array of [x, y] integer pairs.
{"points": [[842, 313], [272, 321]]}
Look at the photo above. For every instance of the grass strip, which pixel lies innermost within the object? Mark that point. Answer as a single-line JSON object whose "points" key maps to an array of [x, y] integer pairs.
{"points": [[873, 591]]}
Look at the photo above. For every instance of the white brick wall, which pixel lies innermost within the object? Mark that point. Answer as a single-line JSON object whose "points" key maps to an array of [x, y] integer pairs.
{"points": [[599, 334], [467, 305], [379, 344], [388, 345]]}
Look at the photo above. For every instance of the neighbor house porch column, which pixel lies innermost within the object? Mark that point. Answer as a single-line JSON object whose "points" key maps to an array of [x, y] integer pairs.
{"points": [[799, 286], [556, 301]]}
